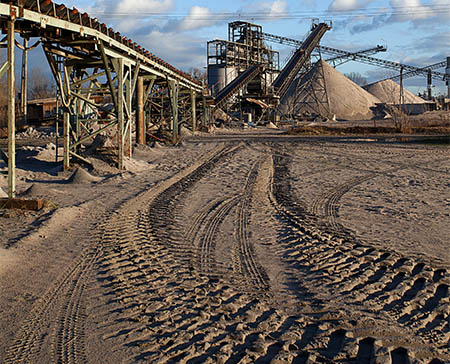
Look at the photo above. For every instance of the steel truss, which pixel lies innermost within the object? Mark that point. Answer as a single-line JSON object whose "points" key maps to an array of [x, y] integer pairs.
{"points": [[310, 94], [360, 57], [91, 63]]}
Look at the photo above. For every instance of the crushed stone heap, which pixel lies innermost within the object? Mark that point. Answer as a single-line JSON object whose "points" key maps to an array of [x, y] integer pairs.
{"points": [[388, 91], [347, 100]]}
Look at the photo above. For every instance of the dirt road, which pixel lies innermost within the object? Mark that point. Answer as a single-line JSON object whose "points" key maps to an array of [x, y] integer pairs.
{"points": [[257, 251]]}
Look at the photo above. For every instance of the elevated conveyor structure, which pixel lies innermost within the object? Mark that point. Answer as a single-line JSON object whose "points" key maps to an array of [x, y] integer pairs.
{"points": [[361, 57], [237, 84], [298, 61], [90, 62]]}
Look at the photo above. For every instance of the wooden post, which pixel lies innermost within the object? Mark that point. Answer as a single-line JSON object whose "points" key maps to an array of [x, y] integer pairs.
{"points": [[140, 119], [11, 112]]}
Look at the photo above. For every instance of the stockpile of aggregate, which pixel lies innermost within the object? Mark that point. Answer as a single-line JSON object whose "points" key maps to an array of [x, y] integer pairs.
{"points": [[388, 92], [348, 101]]}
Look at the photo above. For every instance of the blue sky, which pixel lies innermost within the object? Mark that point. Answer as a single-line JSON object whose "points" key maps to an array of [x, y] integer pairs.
{"points": [[416, 32]]}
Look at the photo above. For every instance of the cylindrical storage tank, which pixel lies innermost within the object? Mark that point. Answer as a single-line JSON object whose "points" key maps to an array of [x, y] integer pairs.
{"points": [[216, 78], [219, 76]]}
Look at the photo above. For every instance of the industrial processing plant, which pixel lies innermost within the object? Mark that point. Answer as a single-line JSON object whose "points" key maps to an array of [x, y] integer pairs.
{"points": [[254, 206]]}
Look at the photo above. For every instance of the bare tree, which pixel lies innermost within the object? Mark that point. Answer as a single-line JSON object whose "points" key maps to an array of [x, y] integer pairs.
{"points": [[40, 85], [197, 74], [357, 78]]}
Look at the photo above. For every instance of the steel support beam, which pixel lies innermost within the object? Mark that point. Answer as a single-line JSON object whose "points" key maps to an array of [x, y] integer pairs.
{"points": [[24, 82], [120, 115], [11, 111], [140, 115], [194, 111], [173, 96], [205, 116], [66, 132]]}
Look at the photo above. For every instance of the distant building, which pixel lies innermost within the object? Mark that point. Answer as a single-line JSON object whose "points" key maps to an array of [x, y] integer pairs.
{"points": [[41, 109]]}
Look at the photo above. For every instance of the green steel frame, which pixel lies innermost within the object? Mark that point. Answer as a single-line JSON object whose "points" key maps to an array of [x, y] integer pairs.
{"points": [[88, 62]]}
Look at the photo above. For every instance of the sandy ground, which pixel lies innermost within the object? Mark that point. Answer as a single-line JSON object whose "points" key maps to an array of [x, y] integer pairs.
{"points": [[251, 249]]}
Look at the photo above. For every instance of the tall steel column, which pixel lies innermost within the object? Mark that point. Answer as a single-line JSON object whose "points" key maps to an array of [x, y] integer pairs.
{"points": [[120, 115], [140, 122], [173, 96], [205, 116], [447, 72], [66, 128], [11, 110], [24, 81], [194, 111]]}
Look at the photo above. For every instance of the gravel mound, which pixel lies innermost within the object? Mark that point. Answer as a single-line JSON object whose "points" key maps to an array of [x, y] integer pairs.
{"points": [[3, 194], [35, 190], [388, 91], [348, 101], [81, 176]]}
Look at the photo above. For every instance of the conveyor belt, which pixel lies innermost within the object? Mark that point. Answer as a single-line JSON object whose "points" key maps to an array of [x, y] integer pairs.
{"points": [[298, 60], [237, 84], [50, 16]]}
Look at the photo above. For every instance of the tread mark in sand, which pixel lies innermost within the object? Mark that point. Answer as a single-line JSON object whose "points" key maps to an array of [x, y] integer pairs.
{"points": [[370, 278], [203, 231], [69, 335], [66, 296], [245, 264]]}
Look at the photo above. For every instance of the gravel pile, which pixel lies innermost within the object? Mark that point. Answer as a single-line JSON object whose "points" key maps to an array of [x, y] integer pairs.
{"points": [[388, 91], [348, 101]]}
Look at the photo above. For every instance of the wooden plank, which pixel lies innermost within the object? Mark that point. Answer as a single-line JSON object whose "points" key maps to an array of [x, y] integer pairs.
{"points": [[21, 204]]}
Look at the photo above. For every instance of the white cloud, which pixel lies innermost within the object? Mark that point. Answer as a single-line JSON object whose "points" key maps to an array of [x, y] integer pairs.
{"points": [[406, 10], [143, 6], [278, 7], [274, 9], [348, 5], [179, 49], [199, 17]]}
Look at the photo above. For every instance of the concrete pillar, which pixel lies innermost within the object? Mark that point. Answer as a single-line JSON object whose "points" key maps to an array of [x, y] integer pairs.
{"points": [[11, 112], [140, 116]]}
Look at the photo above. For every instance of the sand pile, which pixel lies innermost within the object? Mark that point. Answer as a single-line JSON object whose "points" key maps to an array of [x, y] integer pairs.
{"points": [[3, 194], [348, 101], [388, 91], [35, 190], [81, 176]]}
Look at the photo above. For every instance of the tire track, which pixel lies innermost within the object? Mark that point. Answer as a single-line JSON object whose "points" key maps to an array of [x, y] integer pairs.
{"points": [[407, 292], [66, 295], [245, 264], [69, 289], [203, 231]]}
